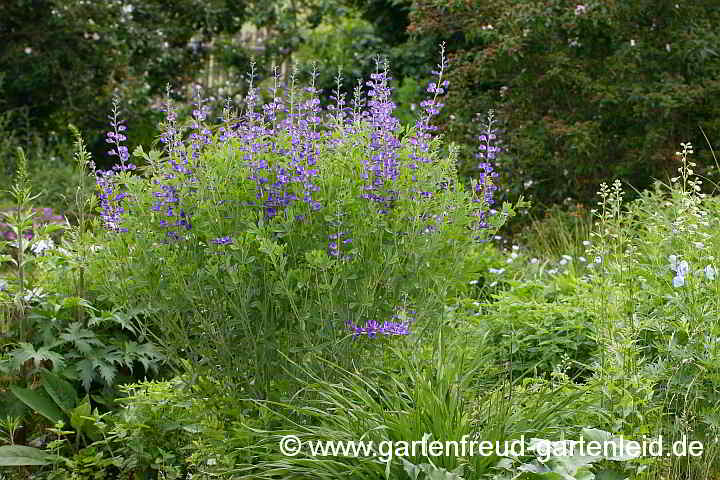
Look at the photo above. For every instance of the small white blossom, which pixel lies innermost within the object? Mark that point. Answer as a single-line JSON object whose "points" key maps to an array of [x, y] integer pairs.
{"points": [[41, 245], [35, 293], [709, 272]]}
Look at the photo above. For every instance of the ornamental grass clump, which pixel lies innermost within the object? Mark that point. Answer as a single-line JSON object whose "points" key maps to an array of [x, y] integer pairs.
{"points": [[291, 228]]}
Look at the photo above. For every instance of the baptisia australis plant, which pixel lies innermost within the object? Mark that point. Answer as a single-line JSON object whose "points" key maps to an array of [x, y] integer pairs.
{"points": [[291, 226]]}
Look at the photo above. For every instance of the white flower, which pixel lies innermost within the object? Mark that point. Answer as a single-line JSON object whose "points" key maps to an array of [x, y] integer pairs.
{"points": [[3, 285], [709, 272], [41, 245], [497, 271], [516, 247], [582, 259], [632, 43], [598, 259], [580, 9], [563, 262], [35, 293], [586, 243], [534, 261], [678, 281], [473, 282]]}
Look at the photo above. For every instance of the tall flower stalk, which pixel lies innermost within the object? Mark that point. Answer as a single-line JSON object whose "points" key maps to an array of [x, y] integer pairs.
{"points": [[21, 224]]}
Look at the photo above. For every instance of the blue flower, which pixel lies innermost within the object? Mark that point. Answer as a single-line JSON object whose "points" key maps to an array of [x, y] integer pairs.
{"points": [[222, 241], [681, 269]]}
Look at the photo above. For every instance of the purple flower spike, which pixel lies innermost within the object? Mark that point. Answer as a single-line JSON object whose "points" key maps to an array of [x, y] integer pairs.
{"points": [[485, 187], [372, 328], [222, 241]]}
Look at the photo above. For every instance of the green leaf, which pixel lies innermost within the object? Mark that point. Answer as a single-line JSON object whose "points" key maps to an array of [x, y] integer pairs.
{"points": [[84, 340], [81, 419], [19, 455], [39, 401], [26, 351], [540, 476], [86, 372], [107, 371], [610, 475], [60, 390], [73, 302]]}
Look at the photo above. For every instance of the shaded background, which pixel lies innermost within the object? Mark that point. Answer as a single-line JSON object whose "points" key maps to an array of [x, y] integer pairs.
{"points": [[583, 91]]}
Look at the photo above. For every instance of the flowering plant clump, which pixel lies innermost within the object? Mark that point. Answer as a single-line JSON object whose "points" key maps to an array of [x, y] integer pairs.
{"points": [[288, 224]]}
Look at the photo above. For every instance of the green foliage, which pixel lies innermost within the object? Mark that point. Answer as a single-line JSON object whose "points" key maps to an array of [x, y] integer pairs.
{"points": [[347, 43], [637, 321], [584, 90], [102, 352], [159, 429], [83, 53]]}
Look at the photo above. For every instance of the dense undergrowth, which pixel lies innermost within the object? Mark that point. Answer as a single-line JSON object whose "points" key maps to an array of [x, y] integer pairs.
{"points": [[327, 275]]}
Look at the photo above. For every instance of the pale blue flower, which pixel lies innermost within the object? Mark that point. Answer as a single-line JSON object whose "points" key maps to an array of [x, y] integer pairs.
{"points": [[682, 268]]}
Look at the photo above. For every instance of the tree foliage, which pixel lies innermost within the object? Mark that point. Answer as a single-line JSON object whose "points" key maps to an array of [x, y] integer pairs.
{"points": [[586, 90], [64, 60]]}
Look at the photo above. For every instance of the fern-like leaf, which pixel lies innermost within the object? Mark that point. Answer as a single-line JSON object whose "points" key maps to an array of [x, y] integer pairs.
{"points": [[84, 340], [27, 351]]}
